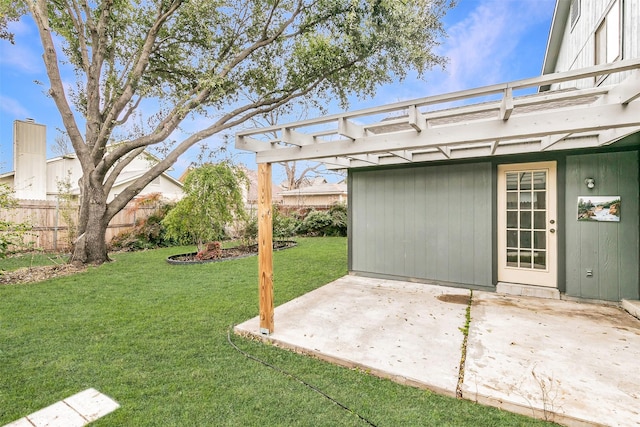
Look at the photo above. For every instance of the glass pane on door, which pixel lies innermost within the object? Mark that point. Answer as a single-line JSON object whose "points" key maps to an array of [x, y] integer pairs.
{"points": [[526, 219]]}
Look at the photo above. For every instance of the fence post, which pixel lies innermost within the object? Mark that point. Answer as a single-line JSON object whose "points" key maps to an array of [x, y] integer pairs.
{"points": [[55, 226]]}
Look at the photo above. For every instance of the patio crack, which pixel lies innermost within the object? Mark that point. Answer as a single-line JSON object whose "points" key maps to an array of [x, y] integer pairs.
{"points": [[463, 357]]}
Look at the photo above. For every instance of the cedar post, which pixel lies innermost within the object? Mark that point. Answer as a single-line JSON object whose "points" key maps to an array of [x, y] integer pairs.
{"points": [[265, 248]]}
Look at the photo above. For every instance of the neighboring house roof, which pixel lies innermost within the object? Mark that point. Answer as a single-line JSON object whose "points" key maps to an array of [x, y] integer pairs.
{"points": [[127, 177], [252, 193], [317, 190]]}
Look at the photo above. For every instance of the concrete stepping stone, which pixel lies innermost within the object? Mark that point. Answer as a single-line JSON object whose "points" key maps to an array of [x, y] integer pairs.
{"points": [[74, 411]]}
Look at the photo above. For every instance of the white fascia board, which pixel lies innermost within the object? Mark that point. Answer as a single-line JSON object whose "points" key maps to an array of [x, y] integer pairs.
{"points": [[612, 135]]}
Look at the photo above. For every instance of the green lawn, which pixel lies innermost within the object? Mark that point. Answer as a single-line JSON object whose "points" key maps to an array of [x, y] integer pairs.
{"points": [[153, 336]]}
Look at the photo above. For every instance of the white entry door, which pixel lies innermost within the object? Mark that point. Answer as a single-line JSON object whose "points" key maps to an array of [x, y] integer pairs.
{"points": [[527, 224]]}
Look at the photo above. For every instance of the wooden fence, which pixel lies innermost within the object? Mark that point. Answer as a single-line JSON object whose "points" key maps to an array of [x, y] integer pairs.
{"points": [[50, 230]]}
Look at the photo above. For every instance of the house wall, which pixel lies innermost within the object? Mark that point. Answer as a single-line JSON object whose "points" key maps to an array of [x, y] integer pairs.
{"points": [[608, 249], [313, 199], [60, 172], [162, 185], [427, 223], [437, 223], [578, 44]]}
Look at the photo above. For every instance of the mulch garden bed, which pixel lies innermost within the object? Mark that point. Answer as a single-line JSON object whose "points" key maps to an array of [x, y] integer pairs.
{"points": [[228, 253], [37, 274]]}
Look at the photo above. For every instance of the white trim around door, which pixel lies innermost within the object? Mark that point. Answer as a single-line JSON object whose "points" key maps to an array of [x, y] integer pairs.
{"points": [[527, 224]]}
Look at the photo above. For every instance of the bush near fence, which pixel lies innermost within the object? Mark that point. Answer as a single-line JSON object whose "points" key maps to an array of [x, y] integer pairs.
{"points": [[51, 233]]}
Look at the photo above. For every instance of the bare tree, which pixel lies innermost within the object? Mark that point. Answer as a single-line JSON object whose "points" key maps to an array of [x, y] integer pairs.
{"points": [[295, 177], [62, 144]]}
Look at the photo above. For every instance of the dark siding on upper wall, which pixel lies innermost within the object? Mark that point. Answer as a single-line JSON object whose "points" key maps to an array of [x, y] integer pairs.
{"points": [[427, 223], [610, 249]]}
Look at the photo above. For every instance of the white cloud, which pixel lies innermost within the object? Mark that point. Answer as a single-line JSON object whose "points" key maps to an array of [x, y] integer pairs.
{"points": [[483, 46], [20, 58], [22, 55], [13, 107], [487, 44]]}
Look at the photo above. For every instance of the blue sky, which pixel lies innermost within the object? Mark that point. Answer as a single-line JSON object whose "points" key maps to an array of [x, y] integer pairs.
{"points": [[489, 42]]}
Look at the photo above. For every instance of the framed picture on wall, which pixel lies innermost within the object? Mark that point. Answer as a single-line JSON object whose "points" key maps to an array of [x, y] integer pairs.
{"points": [[599, 208]]}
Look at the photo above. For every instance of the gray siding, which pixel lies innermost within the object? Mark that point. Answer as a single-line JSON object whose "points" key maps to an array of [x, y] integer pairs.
{"points": [[578, 43], [609, 249], [428, 223]]}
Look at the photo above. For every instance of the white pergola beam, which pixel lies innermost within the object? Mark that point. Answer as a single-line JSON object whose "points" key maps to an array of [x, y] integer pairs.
{"points": [[416, 119], [629, 89], [506, 106], [251, 144], [349, 129], [524, 126], [293, 137]]}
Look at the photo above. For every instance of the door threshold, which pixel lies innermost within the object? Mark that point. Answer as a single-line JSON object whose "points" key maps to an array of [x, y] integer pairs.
{"points": [[521, 290]]}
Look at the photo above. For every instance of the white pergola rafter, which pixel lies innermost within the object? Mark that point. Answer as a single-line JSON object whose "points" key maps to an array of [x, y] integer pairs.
{"points": [[545, 121]]}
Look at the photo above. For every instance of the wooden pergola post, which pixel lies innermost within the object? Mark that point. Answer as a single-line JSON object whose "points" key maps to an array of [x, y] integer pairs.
{"points": [[265, 248]]}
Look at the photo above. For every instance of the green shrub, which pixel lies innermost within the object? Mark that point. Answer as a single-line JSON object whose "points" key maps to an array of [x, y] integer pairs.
{"points": [[315, 223], [339, 218], [11, 233], [148, 233], [325, 223], [284, 225]]}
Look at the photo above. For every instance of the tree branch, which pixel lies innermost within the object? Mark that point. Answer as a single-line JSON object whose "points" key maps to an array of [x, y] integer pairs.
{"points": [[140, 64], [75, 13], [39, 12], [119, 167]]}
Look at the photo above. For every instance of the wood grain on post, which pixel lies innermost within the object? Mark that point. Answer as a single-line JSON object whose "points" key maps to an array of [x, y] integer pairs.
{"points": [[265, 248]]}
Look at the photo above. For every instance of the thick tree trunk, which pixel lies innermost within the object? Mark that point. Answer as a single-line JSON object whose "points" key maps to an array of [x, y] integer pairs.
{"points": [[91, 246]]}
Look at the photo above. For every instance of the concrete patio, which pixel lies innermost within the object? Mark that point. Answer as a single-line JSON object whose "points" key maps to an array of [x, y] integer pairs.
{"points": [[570, 362]]}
